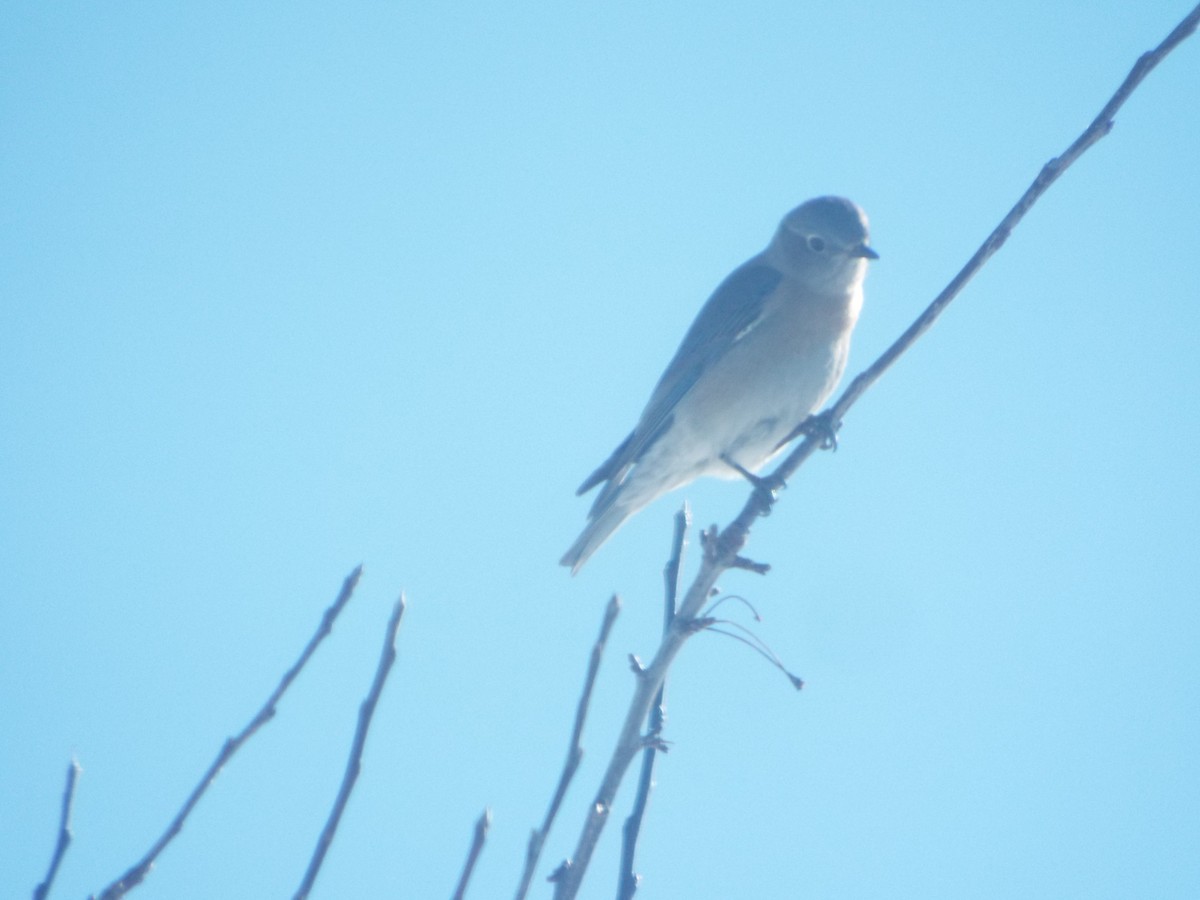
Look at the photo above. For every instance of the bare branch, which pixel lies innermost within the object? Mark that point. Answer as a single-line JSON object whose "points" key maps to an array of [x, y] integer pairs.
{"points": [[630, 741], [537, 838], [42, 891], [721, 552], [354, 764], [137, 873], [628, 877], [481, 831]]}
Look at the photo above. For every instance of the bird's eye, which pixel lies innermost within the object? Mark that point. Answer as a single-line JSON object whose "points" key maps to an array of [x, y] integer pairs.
{"points": [[815, 243]]}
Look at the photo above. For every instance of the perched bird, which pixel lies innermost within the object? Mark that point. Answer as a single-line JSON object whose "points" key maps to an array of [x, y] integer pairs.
{"points": [[765, 352]]}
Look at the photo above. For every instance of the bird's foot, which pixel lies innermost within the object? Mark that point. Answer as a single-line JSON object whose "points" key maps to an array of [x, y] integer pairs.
{"points": [[768, 488], [820, 426], [824, 428]]}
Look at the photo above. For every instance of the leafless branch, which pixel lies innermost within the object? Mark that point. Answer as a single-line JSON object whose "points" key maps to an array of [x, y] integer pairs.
{"points": [[721, 554], [537, 838], [42, 891], [481, 830], [137, 873], [628, 877], [354, 764], [574, 753]]}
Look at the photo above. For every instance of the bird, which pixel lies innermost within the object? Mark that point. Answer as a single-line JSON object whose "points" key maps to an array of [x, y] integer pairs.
{"points": [[764, 353]]}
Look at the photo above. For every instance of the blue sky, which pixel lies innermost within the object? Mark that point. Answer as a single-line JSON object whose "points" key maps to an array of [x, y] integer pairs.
{"points": [[293, 287]]}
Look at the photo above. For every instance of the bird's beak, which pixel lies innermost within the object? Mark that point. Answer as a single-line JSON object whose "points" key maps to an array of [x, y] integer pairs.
{"points": [[865, 252]]}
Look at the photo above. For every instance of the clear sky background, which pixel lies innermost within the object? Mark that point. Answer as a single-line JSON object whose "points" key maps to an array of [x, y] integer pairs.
{"points": [[291, 287]]}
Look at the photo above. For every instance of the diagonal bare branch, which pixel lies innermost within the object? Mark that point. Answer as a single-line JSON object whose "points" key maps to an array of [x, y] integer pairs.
{"points": [[537, 838], [1100, 126], [672, 573], [482, 826], [354, 764], [42, 891]]}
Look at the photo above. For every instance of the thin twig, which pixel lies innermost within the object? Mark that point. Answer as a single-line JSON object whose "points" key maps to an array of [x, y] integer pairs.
{"points": [[42, 891], [481, 831], [537, 838], [747, 637], [722, 554], [627, 874], [141, 869], [735, 598], [354, 764], [755, 643]]}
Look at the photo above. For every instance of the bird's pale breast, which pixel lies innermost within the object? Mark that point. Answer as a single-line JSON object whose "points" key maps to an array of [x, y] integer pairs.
{"points": [[766, 384]]}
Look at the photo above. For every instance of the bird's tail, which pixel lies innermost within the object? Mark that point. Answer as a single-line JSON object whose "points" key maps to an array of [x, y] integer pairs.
{"points": [[598, 530]]}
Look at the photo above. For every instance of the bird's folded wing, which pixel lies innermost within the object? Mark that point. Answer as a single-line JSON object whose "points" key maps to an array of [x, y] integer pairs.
{"points": [[733, 310]]}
